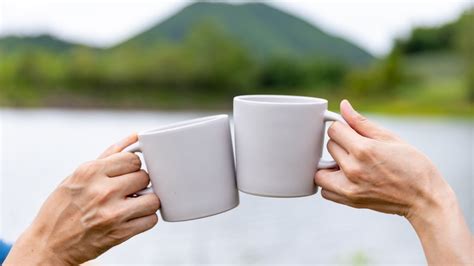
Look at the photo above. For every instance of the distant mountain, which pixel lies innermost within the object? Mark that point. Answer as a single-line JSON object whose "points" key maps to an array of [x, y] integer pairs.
{"points": [[264, 30], [45, 42]]}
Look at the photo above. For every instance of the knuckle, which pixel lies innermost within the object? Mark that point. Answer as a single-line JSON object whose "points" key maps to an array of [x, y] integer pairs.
{"points": [[102, 194], [320, 174], [352, 171], [143, 177], [95, 191], [324, 194], [100, 219], [358, 150], [153, 221], [154, 203], [118, 236], [109, 192], [365, 150], [135, 160], [329, 144], [331, 130], [355, 194], [109, 216]]}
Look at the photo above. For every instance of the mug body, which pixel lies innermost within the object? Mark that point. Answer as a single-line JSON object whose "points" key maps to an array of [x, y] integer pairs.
{"points": [[191, 167], [278, 143]]}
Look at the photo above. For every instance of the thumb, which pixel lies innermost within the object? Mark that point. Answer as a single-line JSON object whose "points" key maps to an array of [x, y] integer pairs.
{"points": [[361, 124], [119, 146]]}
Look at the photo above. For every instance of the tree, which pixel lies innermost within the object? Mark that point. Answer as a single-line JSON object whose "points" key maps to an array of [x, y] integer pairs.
{"points": [[219, 62], [465, 44], [424, 39]]}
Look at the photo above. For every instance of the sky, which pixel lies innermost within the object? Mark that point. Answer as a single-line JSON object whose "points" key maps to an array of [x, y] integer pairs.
{"points": [[371, 24]]}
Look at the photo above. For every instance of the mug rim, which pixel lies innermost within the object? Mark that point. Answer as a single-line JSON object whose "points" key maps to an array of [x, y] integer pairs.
{"points": [[183, 124], [279, 99]]}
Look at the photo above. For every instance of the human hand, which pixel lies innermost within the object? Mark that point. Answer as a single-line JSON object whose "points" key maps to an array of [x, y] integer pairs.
{"points": [[378, 170], [381, 172], [90, 212]]}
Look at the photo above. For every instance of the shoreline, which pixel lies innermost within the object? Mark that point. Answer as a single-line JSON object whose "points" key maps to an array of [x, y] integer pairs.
{"points": [[128, 109]]}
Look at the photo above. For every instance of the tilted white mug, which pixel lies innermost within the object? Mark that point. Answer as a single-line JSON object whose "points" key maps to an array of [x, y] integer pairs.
{"points": [[278, 143], [191, 167]]}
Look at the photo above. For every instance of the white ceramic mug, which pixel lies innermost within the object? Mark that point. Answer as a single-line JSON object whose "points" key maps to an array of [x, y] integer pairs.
{"points": [[191, 167], [278, 143]]}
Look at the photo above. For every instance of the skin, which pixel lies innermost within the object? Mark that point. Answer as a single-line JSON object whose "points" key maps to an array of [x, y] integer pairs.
{"points": [[89, 212], [379, 171]]}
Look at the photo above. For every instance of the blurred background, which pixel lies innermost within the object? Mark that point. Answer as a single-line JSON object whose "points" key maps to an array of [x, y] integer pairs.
{"points": [[75, 76]]}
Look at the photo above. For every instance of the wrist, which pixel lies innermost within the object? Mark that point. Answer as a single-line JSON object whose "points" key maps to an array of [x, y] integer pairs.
{"points": [[439, 223], [32, 249], [433, 210]]}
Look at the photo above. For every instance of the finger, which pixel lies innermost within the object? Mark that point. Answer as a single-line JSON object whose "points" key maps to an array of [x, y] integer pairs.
{"points": [[119, 146], [141, 206], [337, 152], [362, 125], [121, 163], [131, 183], [374, 205], [140, 225], [345, 137], [334, 181], [332, 196]]}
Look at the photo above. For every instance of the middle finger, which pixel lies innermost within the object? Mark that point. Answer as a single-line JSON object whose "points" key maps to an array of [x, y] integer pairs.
{"points": [[121, 163], [131, 183]]}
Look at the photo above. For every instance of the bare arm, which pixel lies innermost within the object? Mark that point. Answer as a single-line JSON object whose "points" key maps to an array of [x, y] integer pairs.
{"points": [[381, 172]]}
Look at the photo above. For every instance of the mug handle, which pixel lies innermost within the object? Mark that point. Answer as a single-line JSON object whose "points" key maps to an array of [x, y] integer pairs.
{"points": [[330, 116], [135, 147]]}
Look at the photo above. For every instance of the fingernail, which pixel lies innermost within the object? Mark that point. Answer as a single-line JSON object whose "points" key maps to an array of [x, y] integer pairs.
{"points": [[349, 107]]}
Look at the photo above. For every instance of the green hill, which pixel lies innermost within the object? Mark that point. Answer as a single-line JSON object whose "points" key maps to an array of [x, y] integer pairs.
{"points": [[24, 43], [262, 29]]}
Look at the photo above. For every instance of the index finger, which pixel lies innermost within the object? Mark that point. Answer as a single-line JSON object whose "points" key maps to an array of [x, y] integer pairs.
{"points": [[345, 136], [119, 146]]}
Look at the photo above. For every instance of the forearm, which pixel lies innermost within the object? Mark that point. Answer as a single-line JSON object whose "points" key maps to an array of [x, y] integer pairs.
{"points": [[29, 249], [444, 234]]}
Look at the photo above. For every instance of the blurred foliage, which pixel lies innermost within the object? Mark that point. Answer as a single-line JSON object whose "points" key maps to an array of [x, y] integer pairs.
{"points": [[432, 71], [263, 30], [208, 61], [360, 259], [428, 39], [455, 36], [464, 40], [382, 78]]}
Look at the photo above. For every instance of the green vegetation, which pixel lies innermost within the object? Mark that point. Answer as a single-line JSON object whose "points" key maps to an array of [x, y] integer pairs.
{"points": [[264, 31], [11, 44], [210, 52]]}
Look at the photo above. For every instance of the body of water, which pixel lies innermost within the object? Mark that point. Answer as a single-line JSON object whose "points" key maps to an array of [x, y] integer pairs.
{"points": [[39, 148]]}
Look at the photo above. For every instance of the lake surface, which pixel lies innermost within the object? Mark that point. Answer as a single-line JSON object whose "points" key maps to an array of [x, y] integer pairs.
{"points": [[41, 147]]}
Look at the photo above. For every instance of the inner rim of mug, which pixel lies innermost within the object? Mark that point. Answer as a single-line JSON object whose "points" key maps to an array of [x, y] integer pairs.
{"points": [[280, 99], [183, 124]]}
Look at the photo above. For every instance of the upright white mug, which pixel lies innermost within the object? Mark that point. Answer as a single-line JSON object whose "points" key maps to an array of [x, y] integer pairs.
{"points": [[278, 143], [191, 167]]}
